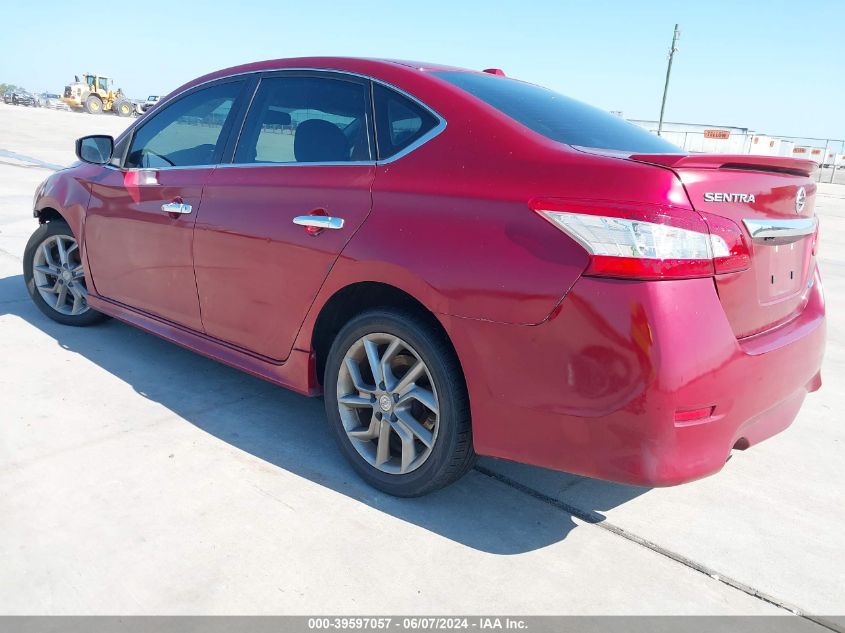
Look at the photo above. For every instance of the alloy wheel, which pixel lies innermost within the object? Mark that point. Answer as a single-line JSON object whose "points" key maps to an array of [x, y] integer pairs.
{"points": [[388, 403], [59, 276]]}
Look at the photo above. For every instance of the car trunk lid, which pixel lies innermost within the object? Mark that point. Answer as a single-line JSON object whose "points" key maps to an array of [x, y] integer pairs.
{"points": [[772, 200]]}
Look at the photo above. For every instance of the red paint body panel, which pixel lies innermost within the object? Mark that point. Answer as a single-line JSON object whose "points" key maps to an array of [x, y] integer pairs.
{"points": [[594, 390], [253, 265], [139, 255], [564, 371], [484, 252], [774, 290]]}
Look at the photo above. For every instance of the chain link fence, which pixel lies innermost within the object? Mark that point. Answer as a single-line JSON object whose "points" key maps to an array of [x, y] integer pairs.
{"points": [[829, 153]]}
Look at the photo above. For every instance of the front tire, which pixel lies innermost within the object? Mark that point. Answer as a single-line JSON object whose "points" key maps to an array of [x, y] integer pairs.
{"points": [[124, 108], [397, 403], [55, 277]]}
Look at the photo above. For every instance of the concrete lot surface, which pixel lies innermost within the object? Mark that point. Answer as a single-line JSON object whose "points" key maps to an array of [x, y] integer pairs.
{"points": [[139, 478]]}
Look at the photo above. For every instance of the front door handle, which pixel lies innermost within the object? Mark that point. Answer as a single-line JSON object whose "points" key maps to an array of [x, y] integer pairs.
{"points": [[176, 207], [319, 221]]}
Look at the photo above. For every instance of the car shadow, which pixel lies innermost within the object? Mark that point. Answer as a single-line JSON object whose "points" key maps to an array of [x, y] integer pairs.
{"points": [[487, 510]]}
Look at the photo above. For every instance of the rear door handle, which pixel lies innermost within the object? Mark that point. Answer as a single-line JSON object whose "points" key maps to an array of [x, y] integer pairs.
{"points": [[319, 221], [176, 207]]}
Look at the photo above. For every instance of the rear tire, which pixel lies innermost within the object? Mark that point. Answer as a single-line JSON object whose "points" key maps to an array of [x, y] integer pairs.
{"points": [[55, 277], [405, 444], [93, 104]]}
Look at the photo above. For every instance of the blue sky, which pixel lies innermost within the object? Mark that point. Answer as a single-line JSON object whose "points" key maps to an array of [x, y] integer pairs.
{"points": [[776, 66]]}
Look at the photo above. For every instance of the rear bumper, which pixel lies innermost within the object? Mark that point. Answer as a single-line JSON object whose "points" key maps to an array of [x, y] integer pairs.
{"points": [[594, 389]]}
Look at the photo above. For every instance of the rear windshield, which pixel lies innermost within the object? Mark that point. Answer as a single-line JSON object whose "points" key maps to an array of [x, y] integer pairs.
{"points": [[557, 117]]}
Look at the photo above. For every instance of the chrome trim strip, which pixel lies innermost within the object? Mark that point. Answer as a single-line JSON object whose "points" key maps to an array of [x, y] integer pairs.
{"points": [[173, 168], [425, 138], [302, 164], [780, 231], [224, 165]]}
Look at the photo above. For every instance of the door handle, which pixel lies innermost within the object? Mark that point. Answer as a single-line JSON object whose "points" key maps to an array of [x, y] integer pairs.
{"points": [[319, 221], [176, 207]]}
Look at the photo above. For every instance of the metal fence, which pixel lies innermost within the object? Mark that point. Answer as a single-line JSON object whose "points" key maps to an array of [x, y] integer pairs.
{"points": [[828, 152]]}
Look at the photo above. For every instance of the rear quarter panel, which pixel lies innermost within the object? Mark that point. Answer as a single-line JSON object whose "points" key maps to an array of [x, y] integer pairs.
{"points": [[454, 214]]}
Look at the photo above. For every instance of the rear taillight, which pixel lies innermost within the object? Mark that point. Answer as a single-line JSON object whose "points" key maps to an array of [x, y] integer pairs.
{"points": [[730, 250], [648, 242]]}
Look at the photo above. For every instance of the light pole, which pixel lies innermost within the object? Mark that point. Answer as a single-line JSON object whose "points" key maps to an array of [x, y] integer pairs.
{"points": [[672, 50]]}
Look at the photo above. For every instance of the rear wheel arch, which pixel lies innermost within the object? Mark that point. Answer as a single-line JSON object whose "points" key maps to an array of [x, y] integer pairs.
{"points": [[351, 300]]}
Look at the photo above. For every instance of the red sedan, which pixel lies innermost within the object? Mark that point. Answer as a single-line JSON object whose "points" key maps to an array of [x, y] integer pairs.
{"points": [[461, 263]]}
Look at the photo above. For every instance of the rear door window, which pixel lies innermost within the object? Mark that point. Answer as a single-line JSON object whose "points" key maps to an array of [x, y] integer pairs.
{"points": [[306, 119], [557, 117], [399, 121]]}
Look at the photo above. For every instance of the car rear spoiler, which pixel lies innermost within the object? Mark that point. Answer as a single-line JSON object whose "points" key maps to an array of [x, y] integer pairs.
{"points": [[779, 164]]}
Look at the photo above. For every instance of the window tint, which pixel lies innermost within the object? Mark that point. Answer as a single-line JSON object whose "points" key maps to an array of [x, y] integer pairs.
{"points": [[306, 120], [557, 117], [187, 132], [399, 121]]}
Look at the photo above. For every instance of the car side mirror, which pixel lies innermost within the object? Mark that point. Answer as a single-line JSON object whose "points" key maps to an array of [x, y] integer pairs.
{"points": [[96, 149]]}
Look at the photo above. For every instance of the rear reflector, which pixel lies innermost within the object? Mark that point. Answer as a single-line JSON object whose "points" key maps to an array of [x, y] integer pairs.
{"points": [[645, 242]]}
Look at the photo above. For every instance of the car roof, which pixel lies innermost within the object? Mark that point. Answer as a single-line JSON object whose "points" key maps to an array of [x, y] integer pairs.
{"points": [[375, 67], [344, 63], [423, 65]]}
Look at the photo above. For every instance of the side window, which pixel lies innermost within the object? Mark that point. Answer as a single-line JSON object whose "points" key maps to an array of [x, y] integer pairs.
{"points": [[187, 132], [305, 120], [399, 121]]}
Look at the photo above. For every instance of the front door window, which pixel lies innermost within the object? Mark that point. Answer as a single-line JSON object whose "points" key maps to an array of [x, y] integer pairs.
{"points": [[186, 133]]}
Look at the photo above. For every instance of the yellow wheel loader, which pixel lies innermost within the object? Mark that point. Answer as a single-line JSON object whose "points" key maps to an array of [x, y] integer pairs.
{"points": [[95, 94]]}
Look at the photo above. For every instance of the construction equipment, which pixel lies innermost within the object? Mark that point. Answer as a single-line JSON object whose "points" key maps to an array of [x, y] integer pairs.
{"points": [[95, 94]]}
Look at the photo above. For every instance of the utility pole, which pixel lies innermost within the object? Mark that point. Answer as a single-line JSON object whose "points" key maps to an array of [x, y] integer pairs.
{"points": [[674, 49]]}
